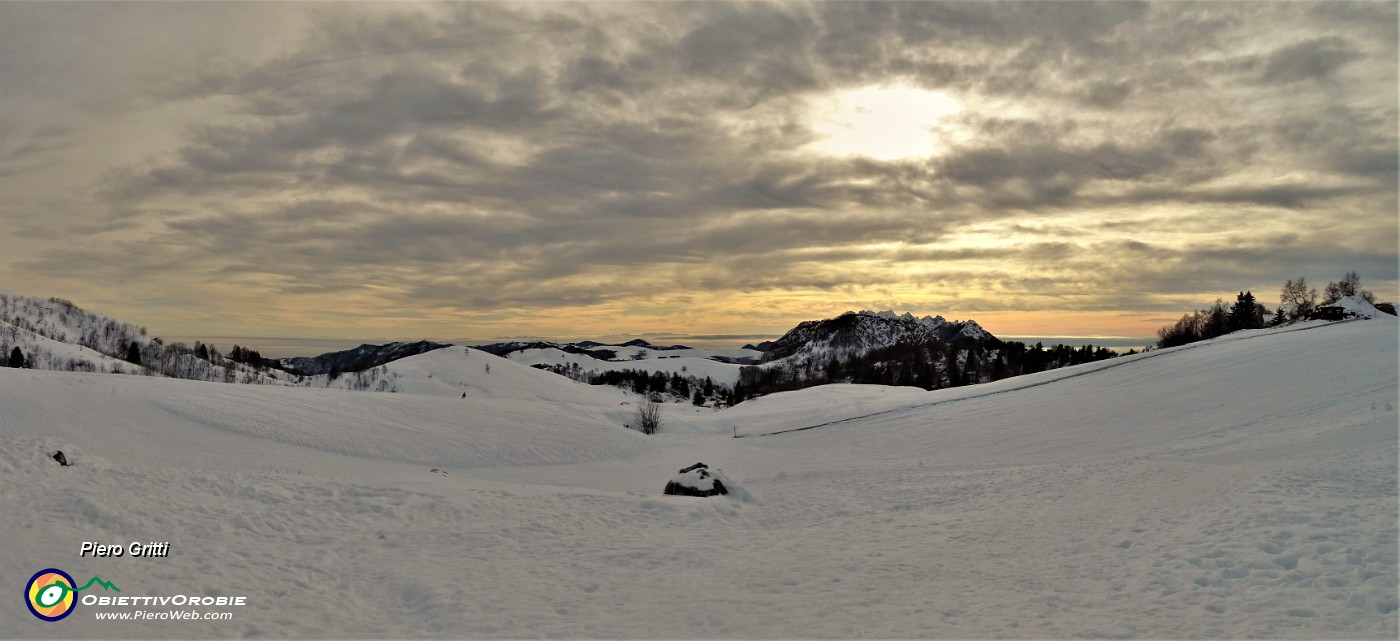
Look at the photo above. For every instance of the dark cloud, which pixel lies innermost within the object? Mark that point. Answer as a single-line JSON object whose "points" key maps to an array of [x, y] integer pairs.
{"points": [[22, 152], [1314, 59], [1049, 174], [1107, 95]]}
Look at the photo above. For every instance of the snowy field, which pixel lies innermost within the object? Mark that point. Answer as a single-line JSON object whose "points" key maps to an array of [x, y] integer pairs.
{"points": [[1243, 487]]}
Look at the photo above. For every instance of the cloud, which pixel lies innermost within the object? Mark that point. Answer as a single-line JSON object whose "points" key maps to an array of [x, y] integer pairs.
{"points": [[1107, 95], [471, 157], [1313, 59]]}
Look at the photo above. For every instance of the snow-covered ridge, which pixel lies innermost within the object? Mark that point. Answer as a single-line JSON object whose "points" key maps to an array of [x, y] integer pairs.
{"points": [[55, 334], [585, 360], [358, 359], [633, 350], [964, 329]]}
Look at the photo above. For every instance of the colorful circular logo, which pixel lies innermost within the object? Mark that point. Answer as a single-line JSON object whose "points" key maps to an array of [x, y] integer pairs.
{"points": [[50, 594]]}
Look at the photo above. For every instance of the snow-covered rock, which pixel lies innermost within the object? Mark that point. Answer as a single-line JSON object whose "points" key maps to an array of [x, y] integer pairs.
{"points": [[696, 480], [701, 480]]}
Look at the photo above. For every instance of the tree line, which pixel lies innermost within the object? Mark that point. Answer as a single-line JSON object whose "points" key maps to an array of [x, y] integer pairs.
{"points": [[699, 391], [929, 364], [58, 319], [1297, 300]]}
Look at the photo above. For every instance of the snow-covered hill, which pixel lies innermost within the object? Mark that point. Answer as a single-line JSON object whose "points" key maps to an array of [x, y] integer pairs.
{"points": [[1240, 487], [358, 359], [455, 370], [1358, 307], [666, 363], [55, 334], [720, 365]]}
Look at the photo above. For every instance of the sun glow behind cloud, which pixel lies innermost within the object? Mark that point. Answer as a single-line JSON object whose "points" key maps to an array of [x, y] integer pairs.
{"points": [[884, 122], [585, 169]]}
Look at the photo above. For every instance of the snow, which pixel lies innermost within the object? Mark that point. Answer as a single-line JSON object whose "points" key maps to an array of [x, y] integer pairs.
{"points": [[973, 331], [1240, 487], [791, 410], [736, 491], [1359, 307]]}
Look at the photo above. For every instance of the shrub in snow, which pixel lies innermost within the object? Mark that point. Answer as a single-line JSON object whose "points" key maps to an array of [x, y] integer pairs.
{"points": [[649, 416]]}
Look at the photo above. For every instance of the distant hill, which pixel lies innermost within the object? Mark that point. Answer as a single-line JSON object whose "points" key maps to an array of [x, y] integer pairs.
{"points": [[674, 372], [885, 348], [677, 371], [355, 360], [856, 333]]}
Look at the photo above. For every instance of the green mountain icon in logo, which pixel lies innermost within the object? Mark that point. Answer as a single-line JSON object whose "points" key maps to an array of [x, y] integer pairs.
{"points": [[106, 585]]}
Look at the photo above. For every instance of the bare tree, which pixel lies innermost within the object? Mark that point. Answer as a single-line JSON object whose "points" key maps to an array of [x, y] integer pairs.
{"points": [[1297, 298], [1350, 285], [649, 416]]}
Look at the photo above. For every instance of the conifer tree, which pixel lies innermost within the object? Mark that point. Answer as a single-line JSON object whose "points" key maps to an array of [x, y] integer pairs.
{"points": [[1244, 313]]}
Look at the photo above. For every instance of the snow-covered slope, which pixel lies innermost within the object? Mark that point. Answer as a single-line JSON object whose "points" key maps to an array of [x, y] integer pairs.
{"points": [[1242, 487], [42, 352], [533, 418], [56, 334], [453, 371]]}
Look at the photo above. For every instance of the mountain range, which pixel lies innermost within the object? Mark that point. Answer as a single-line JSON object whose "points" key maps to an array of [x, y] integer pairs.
{"points": [[856, 333], [862, 347], [354, 360]]}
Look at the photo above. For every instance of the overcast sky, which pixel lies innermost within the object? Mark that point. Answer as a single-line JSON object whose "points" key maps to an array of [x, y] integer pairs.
{"points": [[483, 170]]}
